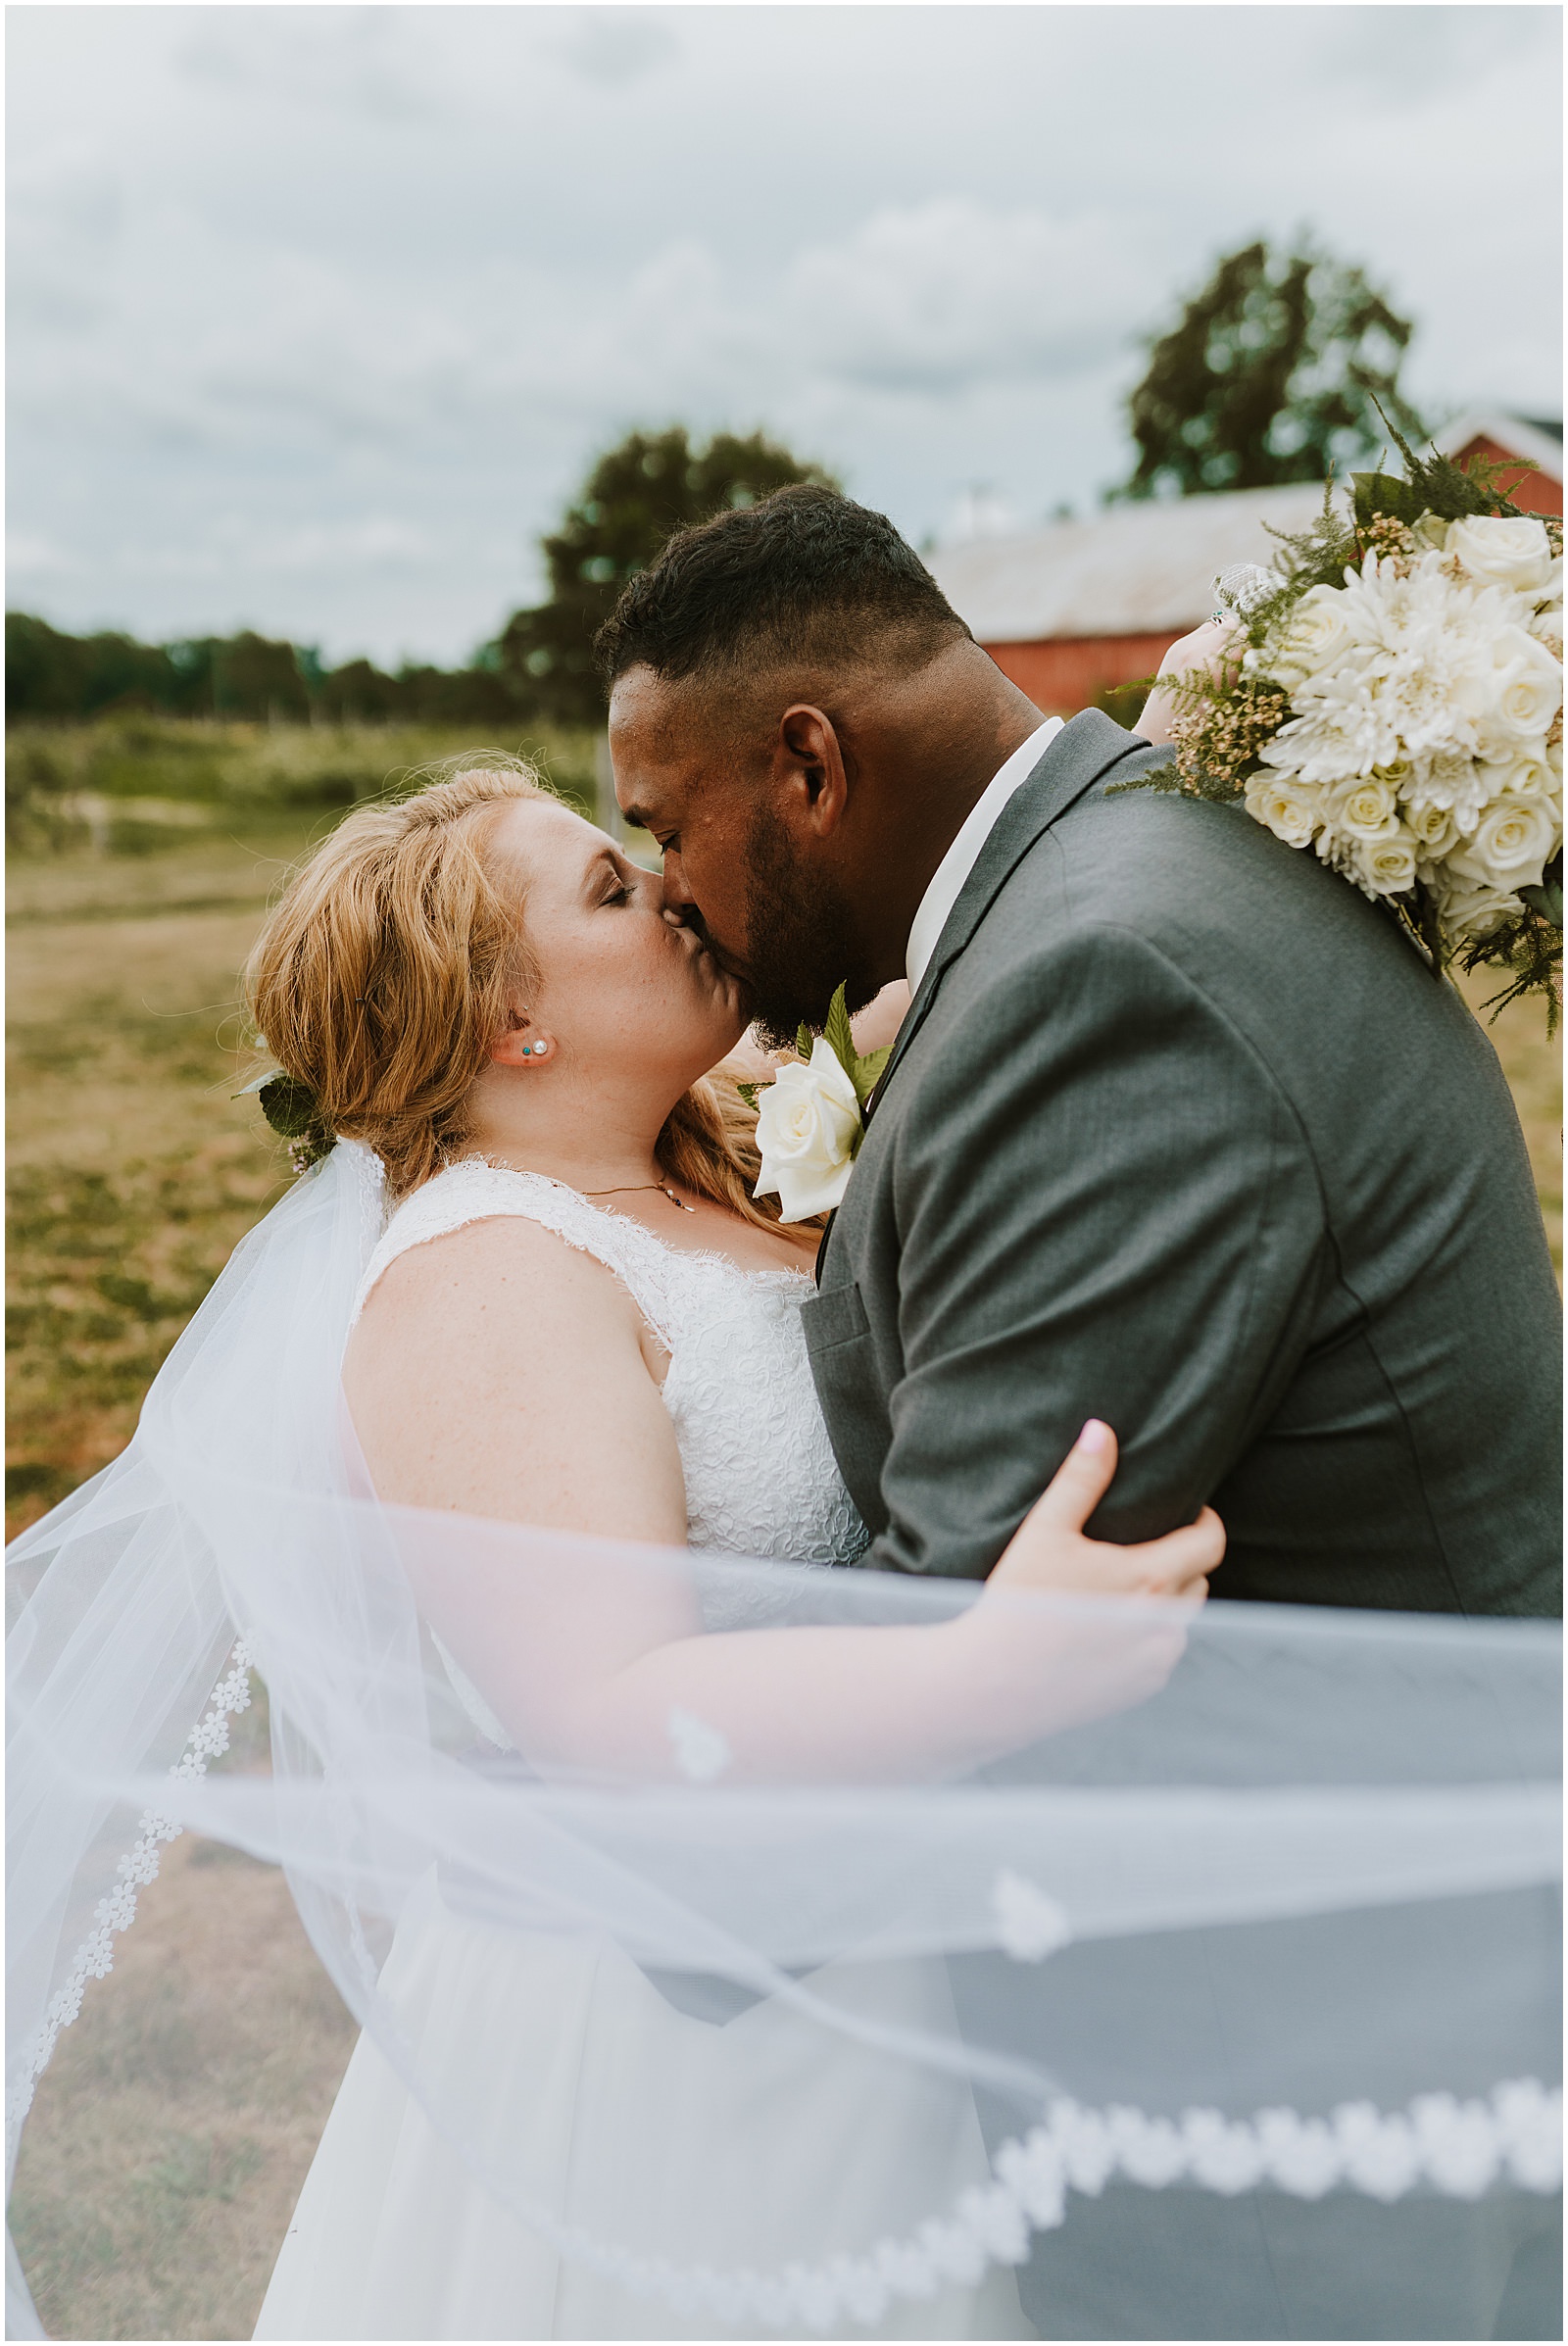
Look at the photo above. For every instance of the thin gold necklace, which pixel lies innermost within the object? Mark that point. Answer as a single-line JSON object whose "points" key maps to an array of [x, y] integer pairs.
{"points": [[635, 1188]]}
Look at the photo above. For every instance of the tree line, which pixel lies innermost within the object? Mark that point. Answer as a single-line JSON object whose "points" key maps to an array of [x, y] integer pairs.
{"points": [[1280, 368], [539, 668]]}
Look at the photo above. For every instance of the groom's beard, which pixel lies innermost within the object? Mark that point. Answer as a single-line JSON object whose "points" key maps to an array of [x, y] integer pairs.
{"points": [[801, 944]]}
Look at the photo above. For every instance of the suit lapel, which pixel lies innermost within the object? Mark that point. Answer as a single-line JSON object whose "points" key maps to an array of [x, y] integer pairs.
{"points": [[1081, 755]]}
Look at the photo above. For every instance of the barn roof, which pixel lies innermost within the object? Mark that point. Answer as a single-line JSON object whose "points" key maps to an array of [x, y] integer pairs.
{"points": [[1133, 569], [1150, 567], [1537, 438]]}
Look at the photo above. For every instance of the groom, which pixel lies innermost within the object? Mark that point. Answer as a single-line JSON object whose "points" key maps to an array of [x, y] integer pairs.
{"points": [[1179, 1131]]}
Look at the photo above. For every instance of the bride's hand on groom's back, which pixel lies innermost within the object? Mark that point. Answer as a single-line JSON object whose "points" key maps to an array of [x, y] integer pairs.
{"points": [[1212, 650], [1052, 1552], [1043, 1667]]}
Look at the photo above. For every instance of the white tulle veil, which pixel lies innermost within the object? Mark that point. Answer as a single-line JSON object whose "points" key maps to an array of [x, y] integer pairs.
{"points": [[1337, 1832]]}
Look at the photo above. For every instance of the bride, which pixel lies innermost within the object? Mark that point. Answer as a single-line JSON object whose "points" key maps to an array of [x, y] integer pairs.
{"points": [[578, 1317]]}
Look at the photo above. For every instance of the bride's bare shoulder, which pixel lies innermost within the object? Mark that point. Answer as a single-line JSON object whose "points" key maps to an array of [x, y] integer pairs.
{"points": [[499, 1370], [499, 1278]]}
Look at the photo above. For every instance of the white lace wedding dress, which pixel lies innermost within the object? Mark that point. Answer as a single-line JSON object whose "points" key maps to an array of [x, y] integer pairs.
{"points": [[630, 2119]]}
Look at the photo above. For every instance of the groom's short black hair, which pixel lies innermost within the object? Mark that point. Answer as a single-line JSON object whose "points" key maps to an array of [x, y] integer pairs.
{"points": [[804, 574]]}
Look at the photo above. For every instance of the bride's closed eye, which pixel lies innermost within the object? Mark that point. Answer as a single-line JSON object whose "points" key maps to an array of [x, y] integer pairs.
{"points": [[611, 882]]}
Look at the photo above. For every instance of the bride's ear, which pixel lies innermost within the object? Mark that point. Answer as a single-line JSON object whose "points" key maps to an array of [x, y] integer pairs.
{"points": [[520, 1045]]}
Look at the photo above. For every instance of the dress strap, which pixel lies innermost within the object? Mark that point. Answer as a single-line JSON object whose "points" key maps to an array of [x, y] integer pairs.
{"points": [[473, 1191]]}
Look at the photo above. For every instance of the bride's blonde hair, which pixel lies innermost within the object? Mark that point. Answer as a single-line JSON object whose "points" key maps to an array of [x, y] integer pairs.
{"points": [[387, 969]]}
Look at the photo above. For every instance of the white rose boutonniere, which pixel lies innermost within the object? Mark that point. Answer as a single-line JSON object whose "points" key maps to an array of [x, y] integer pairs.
{"points": [[810, 1119]]}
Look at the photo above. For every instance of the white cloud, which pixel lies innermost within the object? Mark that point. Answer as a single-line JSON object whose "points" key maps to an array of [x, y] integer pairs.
{"points": [[612, 46], [344, 60], [320, 313], [32, 558], [946, 294]]}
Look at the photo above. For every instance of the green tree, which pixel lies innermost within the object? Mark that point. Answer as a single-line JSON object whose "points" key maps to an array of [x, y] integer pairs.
{"points": [[1273, 373], [635, 498], [53, 676], [245, 675]]}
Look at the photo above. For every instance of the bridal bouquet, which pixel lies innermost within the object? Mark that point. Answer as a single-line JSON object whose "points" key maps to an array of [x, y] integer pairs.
{"points": [[1398, 708]]}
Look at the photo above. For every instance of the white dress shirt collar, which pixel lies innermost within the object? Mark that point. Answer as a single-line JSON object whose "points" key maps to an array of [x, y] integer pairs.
{"points": [[947, 881]]}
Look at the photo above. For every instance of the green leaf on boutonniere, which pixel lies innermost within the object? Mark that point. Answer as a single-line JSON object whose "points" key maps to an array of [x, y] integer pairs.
{"points": [[748, 1092], [839, 1035], [804, 1039], [866, 1072], [863, 1070]]}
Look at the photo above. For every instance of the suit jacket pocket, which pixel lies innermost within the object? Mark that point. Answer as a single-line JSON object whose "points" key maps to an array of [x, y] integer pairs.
{"points": [[834, 1317]]}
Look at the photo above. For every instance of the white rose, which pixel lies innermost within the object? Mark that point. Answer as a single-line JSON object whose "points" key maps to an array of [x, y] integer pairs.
{"points": [[1386, 865], [1531, 775], [1527, 683], [1511, 845], [1291, 809], [1317, 634], [1475, 910], [1431, 827], [1496, 552], [1366, 809], [808, 1129], [1546, 626]]}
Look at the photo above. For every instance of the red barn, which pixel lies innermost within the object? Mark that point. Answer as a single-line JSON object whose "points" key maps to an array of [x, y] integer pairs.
{"points": [[1080, 607], [1522, 439]]}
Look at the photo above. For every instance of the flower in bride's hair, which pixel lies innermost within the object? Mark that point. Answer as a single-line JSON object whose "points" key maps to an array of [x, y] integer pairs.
{"points": [[807, 1131]]}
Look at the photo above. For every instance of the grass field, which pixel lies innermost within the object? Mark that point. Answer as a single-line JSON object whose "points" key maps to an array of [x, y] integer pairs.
{"points": [[172, 2130]]}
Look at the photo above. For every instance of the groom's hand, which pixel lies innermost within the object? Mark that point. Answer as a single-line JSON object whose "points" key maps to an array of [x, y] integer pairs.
{"points": [[1050, 1551]]}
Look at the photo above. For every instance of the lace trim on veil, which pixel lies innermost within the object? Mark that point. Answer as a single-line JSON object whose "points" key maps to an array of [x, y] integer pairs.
{"points": [[1457, 2149], [95, 1957]]}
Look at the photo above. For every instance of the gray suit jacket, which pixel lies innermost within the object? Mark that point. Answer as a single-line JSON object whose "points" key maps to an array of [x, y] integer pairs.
{"points": [[1180, 1131]]}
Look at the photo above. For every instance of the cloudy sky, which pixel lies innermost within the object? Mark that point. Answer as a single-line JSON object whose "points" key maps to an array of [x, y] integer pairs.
{"points": [[319, 313]]}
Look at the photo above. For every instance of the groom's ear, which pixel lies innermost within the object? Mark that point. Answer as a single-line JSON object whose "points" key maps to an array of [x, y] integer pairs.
{"points": [[809, 765]]}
